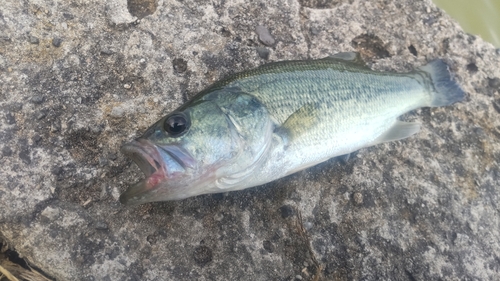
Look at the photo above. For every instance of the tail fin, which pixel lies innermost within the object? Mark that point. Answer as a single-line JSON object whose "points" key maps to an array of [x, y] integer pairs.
{"points": [[446, 91]]}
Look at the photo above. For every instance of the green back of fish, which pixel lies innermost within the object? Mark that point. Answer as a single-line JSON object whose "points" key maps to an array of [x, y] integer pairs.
{"points": [[328, 87]]}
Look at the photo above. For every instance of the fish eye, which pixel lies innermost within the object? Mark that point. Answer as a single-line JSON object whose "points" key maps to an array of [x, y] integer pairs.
{"points": [[176, 124]]}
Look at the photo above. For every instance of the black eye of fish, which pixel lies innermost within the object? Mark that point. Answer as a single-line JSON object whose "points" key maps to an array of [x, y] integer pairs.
{"points": [[176, 124]]}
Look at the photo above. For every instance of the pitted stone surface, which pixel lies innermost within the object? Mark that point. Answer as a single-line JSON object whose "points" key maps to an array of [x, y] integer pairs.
{"points": [[77, 80]]}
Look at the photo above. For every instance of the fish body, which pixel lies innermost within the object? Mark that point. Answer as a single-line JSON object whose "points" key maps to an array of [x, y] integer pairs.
{"points": [[260, 125]]}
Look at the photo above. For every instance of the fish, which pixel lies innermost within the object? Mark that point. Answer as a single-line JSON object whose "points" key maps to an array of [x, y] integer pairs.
{"points": [[263, 124]]}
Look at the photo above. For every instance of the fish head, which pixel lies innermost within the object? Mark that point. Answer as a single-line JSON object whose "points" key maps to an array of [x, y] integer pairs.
{"points": [[190, 151]]}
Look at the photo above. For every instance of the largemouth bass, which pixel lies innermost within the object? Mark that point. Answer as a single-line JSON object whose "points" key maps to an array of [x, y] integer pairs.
{"points": [[261, 125]]}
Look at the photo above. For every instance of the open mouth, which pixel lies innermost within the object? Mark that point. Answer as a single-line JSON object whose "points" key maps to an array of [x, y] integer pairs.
{"points": [[158, 163], [149, 160]]}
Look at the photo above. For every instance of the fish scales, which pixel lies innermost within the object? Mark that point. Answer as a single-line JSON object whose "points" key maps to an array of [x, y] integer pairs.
{"points": [[283, 92], [263, 124]]}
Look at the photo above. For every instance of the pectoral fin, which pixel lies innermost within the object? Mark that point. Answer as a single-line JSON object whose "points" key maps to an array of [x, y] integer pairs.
{"points": [[400, 130], [299, 123]]}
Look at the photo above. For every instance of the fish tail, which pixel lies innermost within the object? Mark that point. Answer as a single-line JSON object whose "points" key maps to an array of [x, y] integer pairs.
{"points": [[445, 90]]}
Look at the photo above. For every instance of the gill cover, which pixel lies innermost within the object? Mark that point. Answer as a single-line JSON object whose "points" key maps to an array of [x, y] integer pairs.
{"points": [[253, 129]]}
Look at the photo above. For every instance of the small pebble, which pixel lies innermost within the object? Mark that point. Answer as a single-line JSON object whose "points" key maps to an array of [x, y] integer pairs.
{"points": [[263, 52], [298, 277], [33, 40], [101, 225], [37, 99], [50, 213], [56, 42], [264, 35], [106, 52], [127, 86], [68, 16]]}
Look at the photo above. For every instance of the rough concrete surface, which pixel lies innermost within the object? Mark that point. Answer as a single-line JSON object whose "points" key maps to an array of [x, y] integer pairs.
{"points": [[80, 78]]}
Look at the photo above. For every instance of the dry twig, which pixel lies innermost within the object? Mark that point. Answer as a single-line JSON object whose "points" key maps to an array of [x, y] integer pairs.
{"points": [[7, 274]]}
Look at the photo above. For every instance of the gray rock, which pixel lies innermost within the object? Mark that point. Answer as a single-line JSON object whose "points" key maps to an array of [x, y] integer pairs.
{"points": [[37, 99], [56, 42], [263, 52], [33, 40], [265, 35], [425, 208]]}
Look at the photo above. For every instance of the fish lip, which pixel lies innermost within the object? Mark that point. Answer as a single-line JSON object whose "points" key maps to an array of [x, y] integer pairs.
{"points": [[145, 155]]}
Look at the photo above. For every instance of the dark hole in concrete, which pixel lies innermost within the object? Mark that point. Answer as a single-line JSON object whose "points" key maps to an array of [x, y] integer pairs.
{"points": [[286, 211], [13, 257], [179, 65], [202, 255], [142, 8], [472, 68], [370, 46], [412, 50], [268, 245]]}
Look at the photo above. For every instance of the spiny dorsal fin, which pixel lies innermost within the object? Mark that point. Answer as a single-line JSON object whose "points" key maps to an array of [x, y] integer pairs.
{"points": [[353, 57]]}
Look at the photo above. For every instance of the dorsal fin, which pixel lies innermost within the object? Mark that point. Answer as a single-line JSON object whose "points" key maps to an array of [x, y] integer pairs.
{"points": [[353, 57]]}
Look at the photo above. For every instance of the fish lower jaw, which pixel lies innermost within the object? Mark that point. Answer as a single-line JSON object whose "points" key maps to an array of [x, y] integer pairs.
{"points": [[141, 192]]}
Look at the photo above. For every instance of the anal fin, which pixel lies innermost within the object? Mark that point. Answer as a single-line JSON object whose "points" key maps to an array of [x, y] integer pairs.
{"points": [[400, 130]]}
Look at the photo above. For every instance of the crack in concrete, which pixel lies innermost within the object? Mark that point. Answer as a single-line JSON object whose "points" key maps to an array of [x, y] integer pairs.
{"points": [[303, 233]]}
